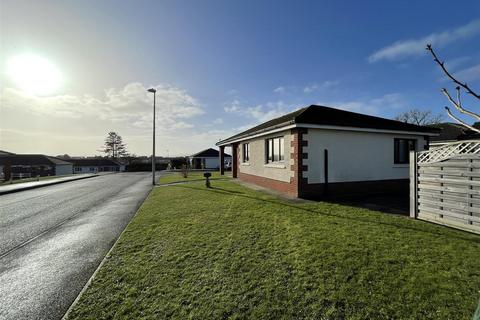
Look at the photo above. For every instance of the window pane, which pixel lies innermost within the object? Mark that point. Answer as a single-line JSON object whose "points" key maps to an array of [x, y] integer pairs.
{"points": [[402, 148], [397, 150], [276, 151], [270, 150], [282, 147], [402, 151]]}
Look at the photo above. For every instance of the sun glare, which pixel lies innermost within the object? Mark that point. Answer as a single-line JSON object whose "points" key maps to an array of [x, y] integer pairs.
{"points": [[34, 74]]}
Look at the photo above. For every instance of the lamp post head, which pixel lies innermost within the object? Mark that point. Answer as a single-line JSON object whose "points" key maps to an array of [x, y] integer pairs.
{"points": [[152, 90]]}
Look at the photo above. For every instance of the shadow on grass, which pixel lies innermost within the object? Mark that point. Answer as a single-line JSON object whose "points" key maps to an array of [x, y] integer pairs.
{"points": [[188, 181], [383, 202], [461, 235]]}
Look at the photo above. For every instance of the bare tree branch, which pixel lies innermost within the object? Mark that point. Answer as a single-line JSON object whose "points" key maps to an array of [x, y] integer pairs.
{"points": [[442, 65], [419, 117], [458, 96], [457, 104], [463, 123]]}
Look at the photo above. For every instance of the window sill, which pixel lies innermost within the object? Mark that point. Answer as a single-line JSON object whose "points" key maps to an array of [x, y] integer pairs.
{"points": [[245, 163], [278, 165]]}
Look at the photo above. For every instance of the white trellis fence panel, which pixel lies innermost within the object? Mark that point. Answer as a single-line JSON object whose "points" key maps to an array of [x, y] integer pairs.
{"points": [[449, 150], [445, 185]]}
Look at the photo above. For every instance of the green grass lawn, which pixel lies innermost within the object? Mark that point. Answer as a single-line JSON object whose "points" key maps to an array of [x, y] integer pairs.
{"points": [[171, 177], [234, 253]]}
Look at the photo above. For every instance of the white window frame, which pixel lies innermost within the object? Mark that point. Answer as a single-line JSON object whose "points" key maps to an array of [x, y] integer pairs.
{"points": [[246, 152], [271, 144], [402, 159]]}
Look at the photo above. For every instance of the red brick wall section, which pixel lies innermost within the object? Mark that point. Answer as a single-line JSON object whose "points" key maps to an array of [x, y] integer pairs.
{"points": [[298, 167], [235, 159], [293, 187], [276, 185]]}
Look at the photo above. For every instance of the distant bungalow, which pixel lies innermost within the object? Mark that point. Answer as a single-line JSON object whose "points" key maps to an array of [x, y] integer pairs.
{"points": [[32, 165], [94, 165], [208, 159]]}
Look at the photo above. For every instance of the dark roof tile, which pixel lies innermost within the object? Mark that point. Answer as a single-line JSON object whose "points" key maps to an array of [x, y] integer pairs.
{"points": [[93, 162], [453, 132], [208, 153], [33, 159], [321, 115]]}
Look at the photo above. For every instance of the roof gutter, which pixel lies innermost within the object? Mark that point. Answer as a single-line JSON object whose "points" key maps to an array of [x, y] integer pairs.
{"points": [[291, 125], [327, 127], [279, 127]]}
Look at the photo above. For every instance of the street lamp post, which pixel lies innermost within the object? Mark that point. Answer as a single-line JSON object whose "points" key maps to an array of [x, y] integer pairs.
{"points": [[153, 151]]}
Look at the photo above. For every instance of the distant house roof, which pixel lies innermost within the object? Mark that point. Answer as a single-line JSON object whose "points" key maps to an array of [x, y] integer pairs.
{"points": [[4, 153], [208, 153], [454, 132], [33, 160], [94, 162], [326, 116]]}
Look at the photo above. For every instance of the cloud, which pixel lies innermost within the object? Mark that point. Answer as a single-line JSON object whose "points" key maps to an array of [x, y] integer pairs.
{"points": [[324, 85], [77, 124], [280, 89], [218, 121], [233, 107], [374, 106], [310, 88], [468, 74], [454, 63], [261, 112], [416, 47], [130, 105]]}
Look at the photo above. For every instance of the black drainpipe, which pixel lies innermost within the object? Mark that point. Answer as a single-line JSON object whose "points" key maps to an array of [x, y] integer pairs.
{"points": [[325, 170]]}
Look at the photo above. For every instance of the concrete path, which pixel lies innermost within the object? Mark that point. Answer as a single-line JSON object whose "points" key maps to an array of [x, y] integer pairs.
{"points": [[15, 187], [53, 239]]}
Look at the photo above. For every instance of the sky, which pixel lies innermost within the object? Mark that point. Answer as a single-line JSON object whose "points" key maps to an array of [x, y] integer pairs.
{"points": [[219, 67]]}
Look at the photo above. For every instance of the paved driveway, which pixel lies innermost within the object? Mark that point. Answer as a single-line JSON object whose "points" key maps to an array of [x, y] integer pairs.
{"points": [[53, 238]]}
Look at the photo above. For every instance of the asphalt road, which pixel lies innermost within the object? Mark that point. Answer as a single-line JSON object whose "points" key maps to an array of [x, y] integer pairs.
{"points": [[53, 238]]}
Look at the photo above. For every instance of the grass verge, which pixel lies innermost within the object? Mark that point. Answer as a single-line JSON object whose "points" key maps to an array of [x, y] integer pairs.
{"points": [[234, 253], [173, 177]]}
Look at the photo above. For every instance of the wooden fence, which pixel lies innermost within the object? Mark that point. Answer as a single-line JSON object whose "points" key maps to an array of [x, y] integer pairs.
{"points": [[445, 185]]}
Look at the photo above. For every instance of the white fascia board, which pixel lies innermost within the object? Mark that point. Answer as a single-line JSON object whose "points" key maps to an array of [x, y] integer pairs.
{"points": [[317, 126], [442, 142], [264, 133]]}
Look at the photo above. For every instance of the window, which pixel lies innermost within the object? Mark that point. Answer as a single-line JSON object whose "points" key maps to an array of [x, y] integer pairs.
{"points": [[275, 150], [246, 152], [402, 148]]}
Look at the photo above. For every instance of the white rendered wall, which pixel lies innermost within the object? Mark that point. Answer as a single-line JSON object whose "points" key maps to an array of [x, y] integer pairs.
{"points": [[212, 163], [354, 156], [86, 169], [63, 169], [257, 165]]}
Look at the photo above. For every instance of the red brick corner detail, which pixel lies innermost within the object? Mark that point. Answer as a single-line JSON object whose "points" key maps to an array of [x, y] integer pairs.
{"points": [[297, 183]]}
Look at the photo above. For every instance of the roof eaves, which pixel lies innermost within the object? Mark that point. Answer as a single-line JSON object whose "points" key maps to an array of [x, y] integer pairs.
{"points": [[253, 133], [56, 160]]}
